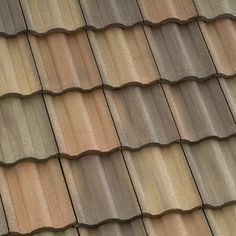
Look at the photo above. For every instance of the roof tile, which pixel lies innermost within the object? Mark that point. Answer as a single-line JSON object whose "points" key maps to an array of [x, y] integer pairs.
{"points": [[25, 130], [18, 74], [100, 188], [220, 36], [200, 110], [142, 116], [69, 232], [158, 175], [3, 223], [133, 228], [193, 224], [211, 9], [213, 164], [82, 123], [180, 51], [35, 197], [48, 15], [222, 221], [65, 62], [229, 89], [11, 18], [158, 11], [102, 13], [124, 56]]}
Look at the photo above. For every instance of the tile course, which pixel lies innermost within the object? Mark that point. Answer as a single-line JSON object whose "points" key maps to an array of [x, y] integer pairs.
{"points": [[76, 123]]}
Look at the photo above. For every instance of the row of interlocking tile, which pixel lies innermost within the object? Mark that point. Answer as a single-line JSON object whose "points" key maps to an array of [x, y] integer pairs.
{"points": [[154, 181], [117, 57], [103, 121], [59, 15]]}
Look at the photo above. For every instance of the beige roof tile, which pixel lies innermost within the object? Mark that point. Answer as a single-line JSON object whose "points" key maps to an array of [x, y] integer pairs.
{"points": [[180, 52], [162, 179], [25, 130], [69, 232], [18, 74], [142, 116], [124, 56], [133, 228], [193, 224], [35, 197], [220, 36], [223, 221], [200, 110], [48, 15], [100, 188], [65, 62], [213, 164], [158, 11], [3, 223], [82, 123]]}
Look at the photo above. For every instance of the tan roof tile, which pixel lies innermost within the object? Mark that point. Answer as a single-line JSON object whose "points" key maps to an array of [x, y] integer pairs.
{"points": [[180, 51], [69, 232], [25, 130], [82, 122], [35, 197], [213, 164], [157, 11], [200, 110], [223, 221], [142, 116], [18, 74], [48, 15], [193, 224], [162, 179], [99, 14], [123, 56], [3, 223], [133, 228], [65, 62], [220, 36], [100, 188], [11, 18]]}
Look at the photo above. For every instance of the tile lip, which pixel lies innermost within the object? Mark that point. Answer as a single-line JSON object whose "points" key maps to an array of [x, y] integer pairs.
{"points": [[120, 25], [114, 88]]}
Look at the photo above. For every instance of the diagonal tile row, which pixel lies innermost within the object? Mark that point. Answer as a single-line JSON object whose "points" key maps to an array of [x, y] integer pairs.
{"points": [[104, 121], [150, 182], [117, 57], [70, 15]]}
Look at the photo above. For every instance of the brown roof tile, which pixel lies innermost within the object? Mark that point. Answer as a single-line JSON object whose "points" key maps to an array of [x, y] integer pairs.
{"points": [[52, 15], [158, 11], [220, 36], [211, 9], [82, 122], [193, 224], [102, 13], [133, 228], [25, 130], [123, 56], [222, 221], [142, 116], [213, 164], [100, 188], [17, 71], [200, 110], [229, 89], [65, 62], [35, 197], [158, 175], [3, 223], [11, 17], [180, 51]]}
